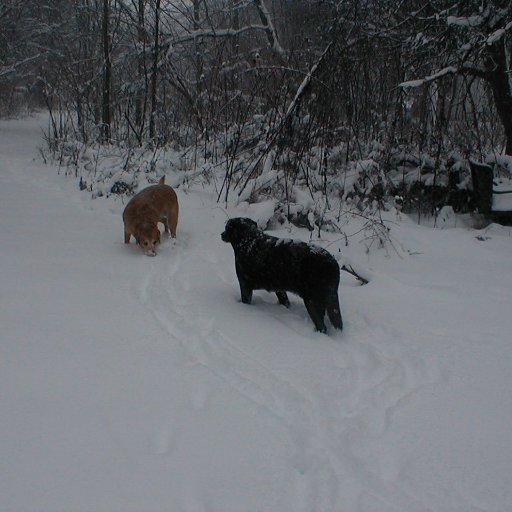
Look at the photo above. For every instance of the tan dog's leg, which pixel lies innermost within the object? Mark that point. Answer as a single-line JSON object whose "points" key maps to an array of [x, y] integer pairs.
{"points": [[174, 223], [126, 237]]}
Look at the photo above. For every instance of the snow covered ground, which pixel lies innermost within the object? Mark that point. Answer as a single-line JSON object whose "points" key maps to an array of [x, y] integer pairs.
{"points": [[134, 384]]}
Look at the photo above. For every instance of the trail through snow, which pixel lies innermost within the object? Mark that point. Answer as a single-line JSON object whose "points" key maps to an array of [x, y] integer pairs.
{"points": [[130, 383]]}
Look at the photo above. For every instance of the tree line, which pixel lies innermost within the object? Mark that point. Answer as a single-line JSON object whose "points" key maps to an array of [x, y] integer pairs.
{"points": [[281, 76]]}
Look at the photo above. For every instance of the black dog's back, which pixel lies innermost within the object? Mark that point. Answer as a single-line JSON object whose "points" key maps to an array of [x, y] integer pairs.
{"points": [[289, 265], [280, 265]]}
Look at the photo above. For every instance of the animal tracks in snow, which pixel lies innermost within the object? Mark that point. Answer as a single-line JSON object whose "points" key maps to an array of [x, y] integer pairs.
{"points": [[161, 442], [344, 390]]}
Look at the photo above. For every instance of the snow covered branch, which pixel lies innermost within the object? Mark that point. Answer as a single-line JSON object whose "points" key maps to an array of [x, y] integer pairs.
{"points": [[266, 25], [291, 108], [211, 33], [499, 34], [270, 29], [449, 70], [305, 83], [478, 21], [465, 21], [8, 70]]}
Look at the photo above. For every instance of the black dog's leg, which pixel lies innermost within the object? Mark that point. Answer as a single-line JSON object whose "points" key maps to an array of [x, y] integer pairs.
{"points": [[333, 310], [316, 311], [245, 292], [282, 297]]}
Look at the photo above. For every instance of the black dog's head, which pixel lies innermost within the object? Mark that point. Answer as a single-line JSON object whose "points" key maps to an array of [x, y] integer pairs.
{"points": [[239, 229]]}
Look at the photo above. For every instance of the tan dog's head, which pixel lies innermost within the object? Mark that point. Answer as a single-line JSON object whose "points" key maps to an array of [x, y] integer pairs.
{"points": [[148, 237]]}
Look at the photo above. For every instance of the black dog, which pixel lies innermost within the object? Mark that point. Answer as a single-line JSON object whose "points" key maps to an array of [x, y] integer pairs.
{"points": [[264, 262]]}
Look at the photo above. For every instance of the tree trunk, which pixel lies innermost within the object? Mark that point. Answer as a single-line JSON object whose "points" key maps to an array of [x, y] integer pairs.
{"points": [[140, 100], [235, 11], [498, 71], [198, 63], [154, 77], [107, 75]]}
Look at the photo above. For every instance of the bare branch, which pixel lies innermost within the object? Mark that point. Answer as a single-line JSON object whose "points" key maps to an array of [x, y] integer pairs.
{"points": [[352, 272]]}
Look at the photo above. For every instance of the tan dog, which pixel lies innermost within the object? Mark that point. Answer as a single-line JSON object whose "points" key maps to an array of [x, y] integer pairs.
{"points": [[154, 204]]}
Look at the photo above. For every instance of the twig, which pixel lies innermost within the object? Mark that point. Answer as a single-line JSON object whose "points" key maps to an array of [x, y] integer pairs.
{"points": [[351, 271]]}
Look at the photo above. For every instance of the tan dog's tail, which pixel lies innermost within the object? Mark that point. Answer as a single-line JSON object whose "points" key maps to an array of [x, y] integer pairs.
{"points": [[161, 181]]}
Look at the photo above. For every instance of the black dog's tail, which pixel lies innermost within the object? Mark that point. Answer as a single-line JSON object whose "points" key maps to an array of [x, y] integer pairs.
{"points": [[333, 309]]}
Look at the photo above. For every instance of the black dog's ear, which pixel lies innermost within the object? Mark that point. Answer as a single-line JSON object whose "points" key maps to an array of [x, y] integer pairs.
{"points": [[251, 223], [241, 223]]}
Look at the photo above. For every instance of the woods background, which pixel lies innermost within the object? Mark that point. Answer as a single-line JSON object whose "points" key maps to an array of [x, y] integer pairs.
{"points": [[371, 101]]}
